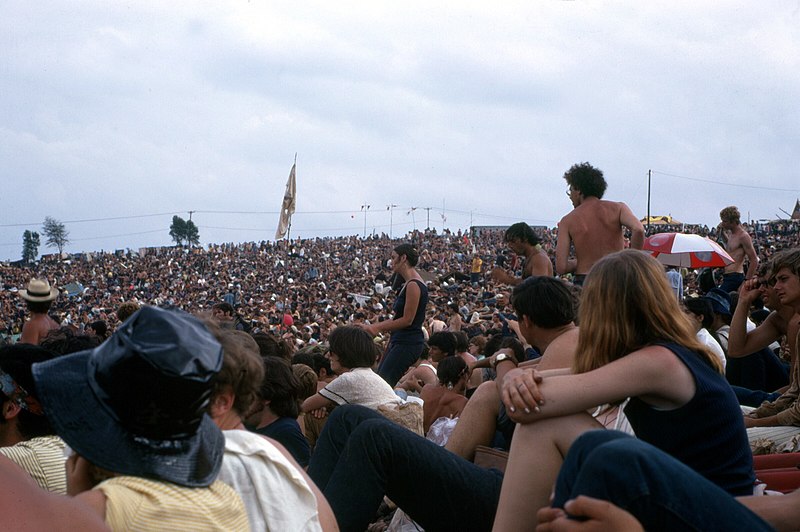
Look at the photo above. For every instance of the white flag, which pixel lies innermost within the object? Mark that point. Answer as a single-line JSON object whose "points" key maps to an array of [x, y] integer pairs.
{"points": [[287, 208]]}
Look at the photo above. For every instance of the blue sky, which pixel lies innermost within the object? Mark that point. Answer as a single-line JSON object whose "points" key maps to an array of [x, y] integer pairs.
{"points": [[119, 110]]}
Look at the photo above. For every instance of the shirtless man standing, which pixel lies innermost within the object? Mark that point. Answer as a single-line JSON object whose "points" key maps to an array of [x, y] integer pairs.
{"points": [[738, 245], [522, 240], [595, 226], [39, 296]]}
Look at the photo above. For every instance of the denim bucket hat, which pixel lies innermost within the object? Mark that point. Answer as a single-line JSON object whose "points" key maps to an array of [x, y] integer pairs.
{"points": [[136, 405], [720, 301]]}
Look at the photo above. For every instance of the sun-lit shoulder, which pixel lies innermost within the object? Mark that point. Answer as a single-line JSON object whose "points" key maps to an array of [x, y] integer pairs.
{"points": [[657, 357]]}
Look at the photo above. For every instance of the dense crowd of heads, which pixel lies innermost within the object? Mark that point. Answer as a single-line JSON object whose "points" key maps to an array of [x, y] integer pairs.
{"points": [[299, 289]]}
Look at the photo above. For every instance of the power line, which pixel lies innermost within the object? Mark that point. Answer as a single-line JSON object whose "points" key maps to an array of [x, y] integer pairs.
{"points": [[726, 184], [97, 237], [274, 212], [131, 217], [117, 236]]}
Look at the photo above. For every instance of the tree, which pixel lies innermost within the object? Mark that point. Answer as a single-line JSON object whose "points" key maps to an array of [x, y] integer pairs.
{"points": [[192, 234], [184, 231], [30, 246], [57, 235], [177, 230]]}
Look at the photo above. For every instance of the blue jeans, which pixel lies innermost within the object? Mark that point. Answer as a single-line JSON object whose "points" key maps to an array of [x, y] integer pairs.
{"points": [[361, 456], [661, 492], [754, 398], [397, 359], [761, 370], [732, 281]]}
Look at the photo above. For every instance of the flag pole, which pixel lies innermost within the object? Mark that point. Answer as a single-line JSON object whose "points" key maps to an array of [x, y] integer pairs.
{"points": [[289, 227]]}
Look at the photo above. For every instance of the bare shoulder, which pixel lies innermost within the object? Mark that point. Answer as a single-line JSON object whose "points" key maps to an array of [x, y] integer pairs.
{"points": [[94, 499], [430, 392], [566, 219], [561, 351], [656, 357]]}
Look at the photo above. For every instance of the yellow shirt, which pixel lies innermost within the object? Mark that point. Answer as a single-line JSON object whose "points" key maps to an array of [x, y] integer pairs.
{"points": [[43, 459], [135, 503], [477, 263]]}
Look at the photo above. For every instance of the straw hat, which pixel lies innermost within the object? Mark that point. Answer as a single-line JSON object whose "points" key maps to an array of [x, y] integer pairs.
{"points": [[39, 290]]}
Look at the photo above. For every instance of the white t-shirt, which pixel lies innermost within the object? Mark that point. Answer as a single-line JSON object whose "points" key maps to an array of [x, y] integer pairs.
{"points": [[275, 494], [705, 337], [360, 386]]}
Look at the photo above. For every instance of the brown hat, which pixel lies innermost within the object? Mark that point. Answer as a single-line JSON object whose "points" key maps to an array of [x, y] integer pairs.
{"points": [[39, 290]]}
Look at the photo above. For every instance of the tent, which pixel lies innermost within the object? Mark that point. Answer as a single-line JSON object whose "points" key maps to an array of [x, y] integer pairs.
{"points": [[661, 220]]}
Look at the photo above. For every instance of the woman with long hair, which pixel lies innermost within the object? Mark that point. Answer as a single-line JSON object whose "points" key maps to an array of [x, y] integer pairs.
{"points": [[407, 340], [635, 342]]}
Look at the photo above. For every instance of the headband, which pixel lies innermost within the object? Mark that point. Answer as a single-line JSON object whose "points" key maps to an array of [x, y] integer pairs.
{"points": [[17, 394]]}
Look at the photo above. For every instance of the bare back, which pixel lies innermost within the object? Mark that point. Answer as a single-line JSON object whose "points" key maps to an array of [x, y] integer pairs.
{"points": [[36, 328], [440, 402], [595, 228]]}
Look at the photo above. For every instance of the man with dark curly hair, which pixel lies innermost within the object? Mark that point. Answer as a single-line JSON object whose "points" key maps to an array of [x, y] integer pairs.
{"points": [[595, 226], [739, 245], [523, 241]]}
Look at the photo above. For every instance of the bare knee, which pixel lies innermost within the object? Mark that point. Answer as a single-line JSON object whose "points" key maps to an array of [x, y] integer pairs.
{"points": [[561, 431], [486, 392]]}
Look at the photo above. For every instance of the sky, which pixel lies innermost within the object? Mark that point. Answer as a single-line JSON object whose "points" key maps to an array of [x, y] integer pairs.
{"points": [[115, 116]]}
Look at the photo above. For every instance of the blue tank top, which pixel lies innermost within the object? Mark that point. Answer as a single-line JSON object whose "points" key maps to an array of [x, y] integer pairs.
{"points": [[707, 433], [413, 333]]}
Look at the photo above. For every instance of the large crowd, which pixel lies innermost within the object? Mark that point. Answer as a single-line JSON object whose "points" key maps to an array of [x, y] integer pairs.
{"points": [[319, 282], [443, 381]]}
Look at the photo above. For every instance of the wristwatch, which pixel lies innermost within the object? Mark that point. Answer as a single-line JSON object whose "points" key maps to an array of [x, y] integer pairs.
{"points": [[501, 357]]}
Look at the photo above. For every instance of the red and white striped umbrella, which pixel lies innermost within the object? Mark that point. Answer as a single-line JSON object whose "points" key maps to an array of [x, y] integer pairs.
{"points": [[686, 251]]}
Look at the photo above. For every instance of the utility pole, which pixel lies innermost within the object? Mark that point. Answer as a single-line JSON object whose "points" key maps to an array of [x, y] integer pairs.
{"points": [[413, 219], [390, 208], [365, 208], [649, 175], [428, 225], [190, 219]]}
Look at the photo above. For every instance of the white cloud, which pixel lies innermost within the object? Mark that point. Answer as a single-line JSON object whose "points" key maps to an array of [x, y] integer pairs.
{"points": [[140, 108]]}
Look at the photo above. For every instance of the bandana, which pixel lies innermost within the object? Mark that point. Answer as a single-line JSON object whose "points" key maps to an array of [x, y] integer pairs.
{"points": [[17, 394]]}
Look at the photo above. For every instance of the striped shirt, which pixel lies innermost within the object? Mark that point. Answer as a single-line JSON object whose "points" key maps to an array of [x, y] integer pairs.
{"points": [[135, 503], [43, 459]]}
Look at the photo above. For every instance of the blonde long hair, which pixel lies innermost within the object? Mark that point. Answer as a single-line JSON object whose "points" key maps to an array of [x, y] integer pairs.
{"points": [[627, 304]]}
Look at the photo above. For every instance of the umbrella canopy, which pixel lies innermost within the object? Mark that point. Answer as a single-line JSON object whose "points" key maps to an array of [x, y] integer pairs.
{"points": [[686, 251]]}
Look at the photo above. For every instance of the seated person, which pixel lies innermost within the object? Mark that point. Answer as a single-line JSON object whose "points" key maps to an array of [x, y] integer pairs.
{"points": [[701, 316], [256, 466], [26, 436], [352, 354], [309, 424], [440, 345], [781, 322], [784, 412], [134, 412], [680, 402], [444, 401], [651, 490], [547, 303], [275, 415], [25, 506]]}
